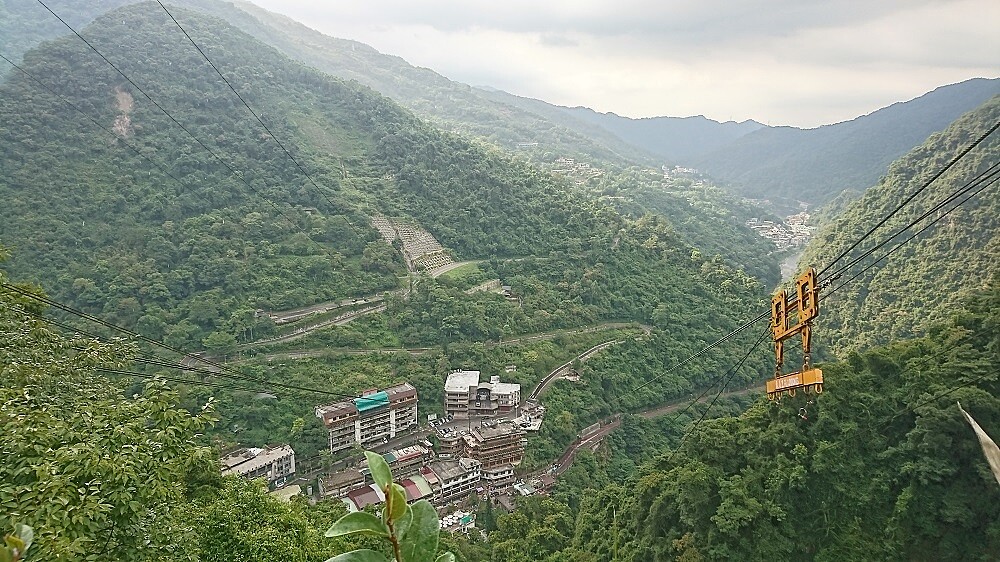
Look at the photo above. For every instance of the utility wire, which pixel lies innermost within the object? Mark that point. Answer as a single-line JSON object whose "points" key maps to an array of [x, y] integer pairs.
{"points": [[225, 372], [968, 196], [987, 176], [239, 175], [178, 380], [319, 190], [704, 350], [906, 201], [731, 374], [981, 182]]}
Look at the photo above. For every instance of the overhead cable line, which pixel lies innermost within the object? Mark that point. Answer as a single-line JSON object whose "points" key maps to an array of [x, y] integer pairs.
{"points": [[104, 128], [910, 198], [984, 184], [972, 188], [139, 358], [704, 350], [225, 372], [148, 376], [281, 145], [239, 175], [731, 374], [981, 181]]}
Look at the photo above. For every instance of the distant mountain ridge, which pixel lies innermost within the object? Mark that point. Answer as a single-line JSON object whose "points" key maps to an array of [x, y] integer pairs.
{"points": [[816, 165], [783, 164], [673, 138]]}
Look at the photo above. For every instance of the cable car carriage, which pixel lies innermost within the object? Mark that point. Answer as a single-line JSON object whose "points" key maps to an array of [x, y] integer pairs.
{"points": [[801, 311]]}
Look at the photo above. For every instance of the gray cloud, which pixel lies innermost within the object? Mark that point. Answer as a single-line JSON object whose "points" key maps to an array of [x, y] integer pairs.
{"points": [[795, 62]]}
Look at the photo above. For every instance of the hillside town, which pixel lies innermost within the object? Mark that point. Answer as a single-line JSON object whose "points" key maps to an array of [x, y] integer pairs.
{"points": [[794, 232], [474, 448]]}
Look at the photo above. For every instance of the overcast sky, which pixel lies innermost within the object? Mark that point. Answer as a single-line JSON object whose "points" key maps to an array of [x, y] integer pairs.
{"points": [[781, 62]]}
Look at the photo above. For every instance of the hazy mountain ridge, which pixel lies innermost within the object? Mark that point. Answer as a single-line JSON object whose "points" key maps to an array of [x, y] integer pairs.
{"points": [[675, 139], [815, 165]]}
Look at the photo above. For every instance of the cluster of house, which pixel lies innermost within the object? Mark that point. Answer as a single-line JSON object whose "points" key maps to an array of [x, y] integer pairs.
{"points": [[793, 232], [579, 172], [480, 460], [477, 459]]}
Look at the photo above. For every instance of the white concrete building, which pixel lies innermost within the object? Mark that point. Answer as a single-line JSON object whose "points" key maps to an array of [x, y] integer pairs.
{"points": [[465, 396], [273, 463]]}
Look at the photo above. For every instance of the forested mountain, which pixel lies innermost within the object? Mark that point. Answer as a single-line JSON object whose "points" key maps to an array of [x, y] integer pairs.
{"points": [[927, 278], [187, 258], [880, 466], [451, 105], [815, 165], [784, 164], [675, 139], [191, 257]]}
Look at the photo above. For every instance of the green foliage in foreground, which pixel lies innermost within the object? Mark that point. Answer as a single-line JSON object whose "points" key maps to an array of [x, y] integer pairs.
{"points": [[15, 545], [101, 475], [412, 529]]}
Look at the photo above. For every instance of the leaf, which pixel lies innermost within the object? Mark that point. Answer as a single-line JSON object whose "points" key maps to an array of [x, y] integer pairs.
{"points": [[358, 522], [380, 470], [396, 502], [400, 526], [363, 555], [420, 542], [446, 557]]}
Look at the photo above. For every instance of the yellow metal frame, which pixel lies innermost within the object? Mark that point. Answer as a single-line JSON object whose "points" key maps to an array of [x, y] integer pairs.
{"points": [[789, 319]]}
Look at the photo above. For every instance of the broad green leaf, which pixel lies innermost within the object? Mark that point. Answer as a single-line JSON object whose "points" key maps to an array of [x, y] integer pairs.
{"points": [[446, 557], [358, 522], [420, 542], [396, 502], [403, 523], [380, 470], [363, 555]]}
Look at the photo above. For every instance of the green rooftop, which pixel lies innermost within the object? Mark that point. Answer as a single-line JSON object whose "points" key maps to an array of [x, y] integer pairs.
{"points": [[372, 401]]}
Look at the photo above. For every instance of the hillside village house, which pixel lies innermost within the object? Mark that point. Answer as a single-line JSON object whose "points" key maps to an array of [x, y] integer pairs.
{"points": [[273, 463]]}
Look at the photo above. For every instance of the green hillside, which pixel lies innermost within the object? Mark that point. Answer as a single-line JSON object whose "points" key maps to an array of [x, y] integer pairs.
{"points": [[191, 261], [883, 467], [927, 278]]}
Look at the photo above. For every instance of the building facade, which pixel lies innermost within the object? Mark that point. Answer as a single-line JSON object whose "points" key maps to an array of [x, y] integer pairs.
{"points": [[370, 418], [452, 479], [273, 463], [465, 396], [499, 448]]}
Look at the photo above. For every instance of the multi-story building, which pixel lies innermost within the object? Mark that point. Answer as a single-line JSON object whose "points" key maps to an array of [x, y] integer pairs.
{"points": [[407, 460], [500, 448], [370, 418], [452, 479], [449, 443], [339, 484], [274, 463], [465, 396]]}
